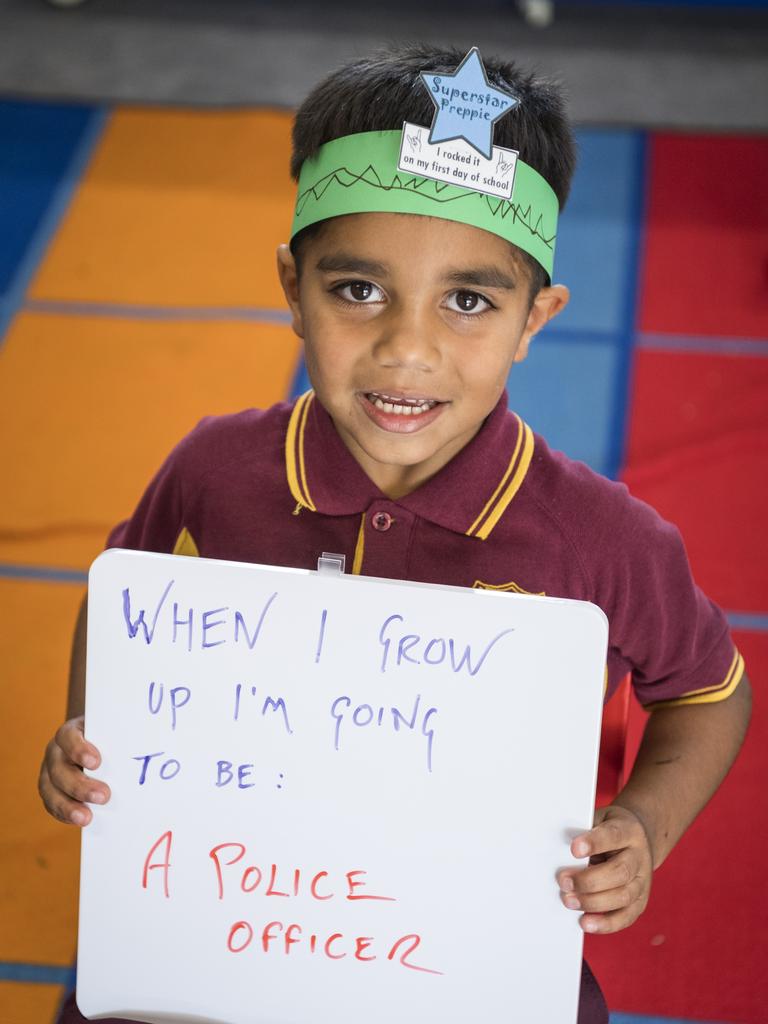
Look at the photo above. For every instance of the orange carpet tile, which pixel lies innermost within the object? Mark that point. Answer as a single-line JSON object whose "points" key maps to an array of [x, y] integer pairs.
{"points": [[89, 407], [177, 208], [38, 886]]}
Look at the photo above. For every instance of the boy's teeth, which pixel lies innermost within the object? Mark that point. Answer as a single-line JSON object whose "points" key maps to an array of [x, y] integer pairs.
{"points": [[406, 408]]}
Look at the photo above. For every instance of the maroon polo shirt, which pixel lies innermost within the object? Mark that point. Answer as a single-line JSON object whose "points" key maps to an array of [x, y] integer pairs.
{"points": [[278, 486]]}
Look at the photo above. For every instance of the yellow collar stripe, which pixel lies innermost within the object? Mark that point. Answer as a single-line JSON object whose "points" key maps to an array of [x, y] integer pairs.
{"points": [[295, 467], [509, 484], [503, 480], [357, 563]]}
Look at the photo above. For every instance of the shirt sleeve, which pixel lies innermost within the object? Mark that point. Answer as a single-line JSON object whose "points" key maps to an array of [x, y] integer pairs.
{"points": [[675, 639]]}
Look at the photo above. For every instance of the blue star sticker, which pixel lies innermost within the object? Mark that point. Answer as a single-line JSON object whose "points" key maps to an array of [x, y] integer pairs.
{"points": [[467, 105]]}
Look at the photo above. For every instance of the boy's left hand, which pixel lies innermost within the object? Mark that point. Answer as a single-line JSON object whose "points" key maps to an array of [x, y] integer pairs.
{"points": [[613, 890]]}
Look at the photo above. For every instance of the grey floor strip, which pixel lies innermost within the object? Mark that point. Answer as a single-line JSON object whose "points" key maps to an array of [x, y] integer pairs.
{"points": [[693, 68]]}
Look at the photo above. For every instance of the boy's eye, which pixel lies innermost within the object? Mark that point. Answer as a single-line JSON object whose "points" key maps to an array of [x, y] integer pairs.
{"points": [[359, 292], [468, 302]]}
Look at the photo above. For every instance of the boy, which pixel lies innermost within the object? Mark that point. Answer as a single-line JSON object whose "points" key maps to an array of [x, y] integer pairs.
{"points": [[413, 304]]}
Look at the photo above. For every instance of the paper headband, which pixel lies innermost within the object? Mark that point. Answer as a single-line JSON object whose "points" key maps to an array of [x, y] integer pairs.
{"points": [[364, 173]]}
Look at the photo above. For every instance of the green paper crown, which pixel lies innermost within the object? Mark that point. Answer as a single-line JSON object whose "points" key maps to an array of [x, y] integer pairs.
{"points": [[359, 174]]}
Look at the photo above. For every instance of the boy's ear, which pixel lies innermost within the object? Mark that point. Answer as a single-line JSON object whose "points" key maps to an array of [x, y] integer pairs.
{"points": [[289, 279], [548, 303]]}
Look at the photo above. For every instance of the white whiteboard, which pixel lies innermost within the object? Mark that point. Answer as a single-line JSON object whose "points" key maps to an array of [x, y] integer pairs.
{"points": [[458, 806]]}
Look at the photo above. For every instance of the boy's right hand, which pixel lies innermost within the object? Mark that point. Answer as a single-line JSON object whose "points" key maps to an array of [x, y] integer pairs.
{"points": [[64, 787]]}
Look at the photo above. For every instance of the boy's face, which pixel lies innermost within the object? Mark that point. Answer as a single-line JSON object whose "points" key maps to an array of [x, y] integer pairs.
{"points": [[410, 327]]}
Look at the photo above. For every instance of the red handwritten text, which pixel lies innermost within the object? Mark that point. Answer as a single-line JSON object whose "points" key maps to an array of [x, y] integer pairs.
{"points": [[272, 881], [276, 936], [164, 865]]}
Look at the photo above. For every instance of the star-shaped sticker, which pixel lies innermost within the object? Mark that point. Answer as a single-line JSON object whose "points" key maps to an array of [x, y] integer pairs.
{"points": [[467, 105]]}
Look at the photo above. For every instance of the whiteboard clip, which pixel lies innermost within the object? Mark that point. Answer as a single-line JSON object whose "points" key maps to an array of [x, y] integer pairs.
{"points": [[331, 564]]}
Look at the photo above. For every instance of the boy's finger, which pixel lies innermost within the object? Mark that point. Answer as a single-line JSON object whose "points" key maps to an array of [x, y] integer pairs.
{"points": [[609, 899], [71, 812], [69, 780], [71, 783], [610, 874], [613, 921], [610, 835], [69, 737]]}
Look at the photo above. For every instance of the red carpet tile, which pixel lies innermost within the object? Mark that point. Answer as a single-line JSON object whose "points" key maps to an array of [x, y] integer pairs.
{"points": [[684, 400], [698, 451], [698, 951], [706, 246]]}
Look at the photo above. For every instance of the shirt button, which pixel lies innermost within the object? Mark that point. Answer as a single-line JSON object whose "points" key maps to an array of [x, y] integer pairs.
{"points": [[381, 521]]}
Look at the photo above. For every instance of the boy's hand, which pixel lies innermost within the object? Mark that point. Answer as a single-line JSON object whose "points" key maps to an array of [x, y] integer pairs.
{"points": [[63, 786], [613, 891]]}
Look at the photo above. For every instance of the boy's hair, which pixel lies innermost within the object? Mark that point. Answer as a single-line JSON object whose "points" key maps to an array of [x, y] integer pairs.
{"points": [[379, 92]]}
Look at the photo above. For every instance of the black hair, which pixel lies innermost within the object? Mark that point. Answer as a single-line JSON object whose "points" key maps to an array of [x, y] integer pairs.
{"points": [[381, 91]]}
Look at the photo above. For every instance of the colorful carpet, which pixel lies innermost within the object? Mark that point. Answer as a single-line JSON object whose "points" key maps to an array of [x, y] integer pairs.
{"points": [[138, 293]]}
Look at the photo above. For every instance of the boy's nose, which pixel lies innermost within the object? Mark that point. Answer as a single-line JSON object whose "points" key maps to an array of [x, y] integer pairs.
{"points": [[408, 339]]}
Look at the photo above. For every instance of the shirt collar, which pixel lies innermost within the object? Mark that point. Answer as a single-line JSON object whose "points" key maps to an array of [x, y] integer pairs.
{"points": [[469, 495]]}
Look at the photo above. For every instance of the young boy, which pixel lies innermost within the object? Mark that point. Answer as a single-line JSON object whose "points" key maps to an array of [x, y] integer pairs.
{"points": [[413, 304]]}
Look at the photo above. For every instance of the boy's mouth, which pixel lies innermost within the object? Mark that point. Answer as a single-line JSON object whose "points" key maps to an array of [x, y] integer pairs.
{"points": [[400, 414]]}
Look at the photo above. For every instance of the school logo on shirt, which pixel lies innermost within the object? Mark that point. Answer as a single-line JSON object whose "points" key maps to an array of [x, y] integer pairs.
{"points": [[185, 544], [512, 587]]}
